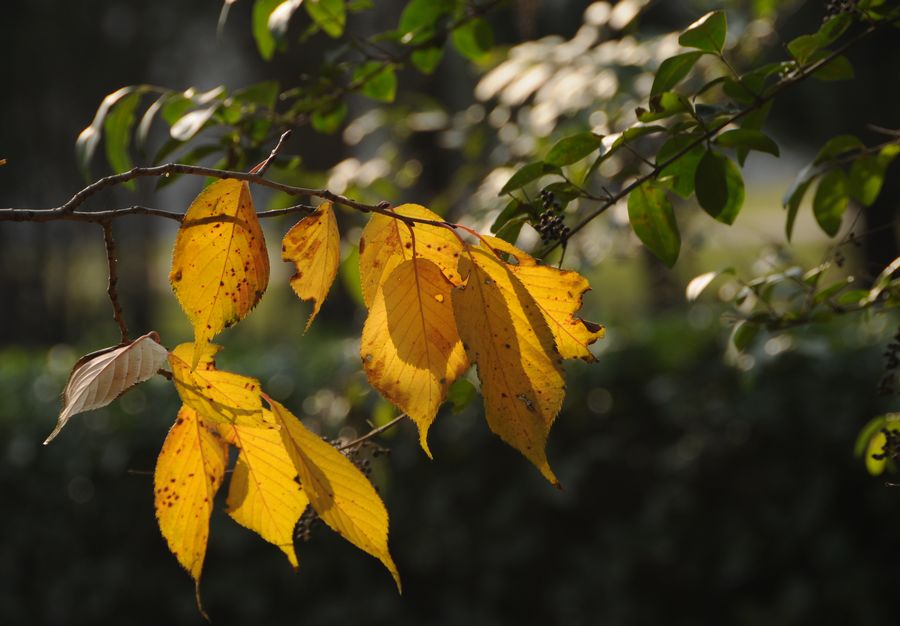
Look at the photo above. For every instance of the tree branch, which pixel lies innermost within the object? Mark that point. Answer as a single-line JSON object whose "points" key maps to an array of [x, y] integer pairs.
{"points": [[111, 290], [373, 433]]}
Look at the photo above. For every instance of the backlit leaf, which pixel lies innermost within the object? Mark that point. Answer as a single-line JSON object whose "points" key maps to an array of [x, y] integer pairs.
{"points": [[220, 267], [653, 221], [313, 245], [508, 339], [571, 149], [673, 70], [341, 494], [386, 241], [410, 347], [218, 397], [558, 294], [830, 201], [189, 472], [117, 130], [100, 377], [707, 33], [265, 493], [329, 15], [377, 80]]}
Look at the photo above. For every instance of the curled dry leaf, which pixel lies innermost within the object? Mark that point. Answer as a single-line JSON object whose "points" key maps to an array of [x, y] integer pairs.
{"points": [[313, 245], [220, 267], [100, 377]]}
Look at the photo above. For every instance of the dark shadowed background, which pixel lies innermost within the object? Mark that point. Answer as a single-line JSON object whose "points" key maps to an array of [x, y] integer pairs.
{"points": [[698, 490]]}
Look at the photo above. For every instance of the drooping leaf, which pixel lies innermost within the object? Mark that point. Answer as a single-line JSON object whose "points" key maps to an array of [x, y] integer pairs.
{"points": [[265, 493], [265, 42], [218, 397], [672, 71], [707, 33], [313, 245], [189, 472], [527, 174], [100, 377], [89, 138], [191, 123], [410, 347], [830, 201], [559, 295], [220, 266], [794, 196], [329, 15], [719, 187], [117, 130], [508, 339], [280, 18], [653, 221], [341, 494], [867, 175], [386, 241]]}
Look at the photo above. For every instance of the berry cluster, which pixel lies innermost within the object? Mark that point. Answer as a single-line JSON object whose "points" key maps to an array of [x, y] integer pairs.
{"points": [[836, 7], [550, 222], [888, 384]]}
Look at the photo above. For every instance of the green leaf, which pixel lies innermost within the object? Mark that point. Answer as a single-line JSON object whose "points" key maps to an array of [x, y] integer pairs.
{"points": [[672, 71], [473, 39], [839, 68], [329, 121], [418, 20], [837, 146], [89, 138], [793, 206], [527, 174], [653, 221], [261, 94], [143, 128], [707, 33], [872, 428], [834, 27], [564, 192], [191, 123], [265, 42], [427, 59], [719, 187], [461, 394], [176, 105], [665, 105], [280, 18], [329, 15], [117, 129], [867, 178], [681, 172], [512, 210], [377, 80], [830, 201], [804, 46], [572, 149], [743, 334], [748, 138]]}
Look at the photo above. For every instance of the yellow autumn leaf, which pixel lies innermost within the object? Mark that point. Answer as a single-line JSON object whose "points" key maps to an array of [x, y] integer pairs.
{"points": [[410, 347], [220, 267], [509, 341], [340, 493], [219, 397], [313, 245], [265, 494], [386, 242], [559, 295], [189, 471]]}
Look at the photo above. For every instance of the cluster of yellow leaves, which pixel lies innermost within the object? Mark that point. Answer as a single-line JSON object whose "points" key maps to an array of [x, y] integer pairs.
{"points": [[219, 272], [437, 304]]}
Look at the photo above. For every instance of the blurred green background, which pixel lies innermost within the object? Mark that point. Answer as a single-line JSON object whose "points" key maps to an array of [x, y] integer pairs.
{"points": [[701, 486]]}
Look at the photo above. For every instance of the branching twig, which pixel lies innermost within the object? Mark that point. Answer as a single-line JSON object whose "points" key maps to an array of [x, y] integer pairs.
{"points": [[374, 432], [112, 292]]}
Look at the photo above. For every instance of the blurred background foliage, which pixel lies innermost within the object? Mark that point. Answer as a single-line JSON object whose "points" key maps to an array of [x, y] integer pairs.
{"points": [[703, 484]]}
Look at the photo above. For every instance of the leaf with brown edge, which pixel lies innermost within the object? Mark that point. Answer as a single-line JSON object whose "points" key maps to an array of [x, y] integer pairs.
{"points": [[386, 241], [265, 495], [313, 245], [100, 377], [559, 294], [341, 494], [410, 347], [219, 397], [508, 339], [220, 267], [189, 472]]}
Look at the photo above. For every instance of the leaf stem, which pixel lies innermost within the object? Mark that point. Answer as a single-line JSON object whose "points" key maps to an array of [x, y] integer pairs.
{"points": [[373, 433]]}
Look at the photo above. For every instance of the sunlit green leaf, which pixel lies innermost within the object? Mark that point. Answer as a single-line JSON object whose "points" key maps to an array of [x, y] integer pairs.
{"points": [[329, 15], [377, 80], [653, 221], [673, 70], [329, 121], [117, 129], [473, 39], [573, 148], [427, 59], [265, 42], [527, 174], [707, 33]]}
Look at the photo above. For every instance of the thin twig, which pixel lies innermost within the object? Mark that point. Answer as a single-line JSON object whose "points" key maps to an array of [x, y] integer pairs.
{"points": [[262, 167], [374, 432], [111, 287]]}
